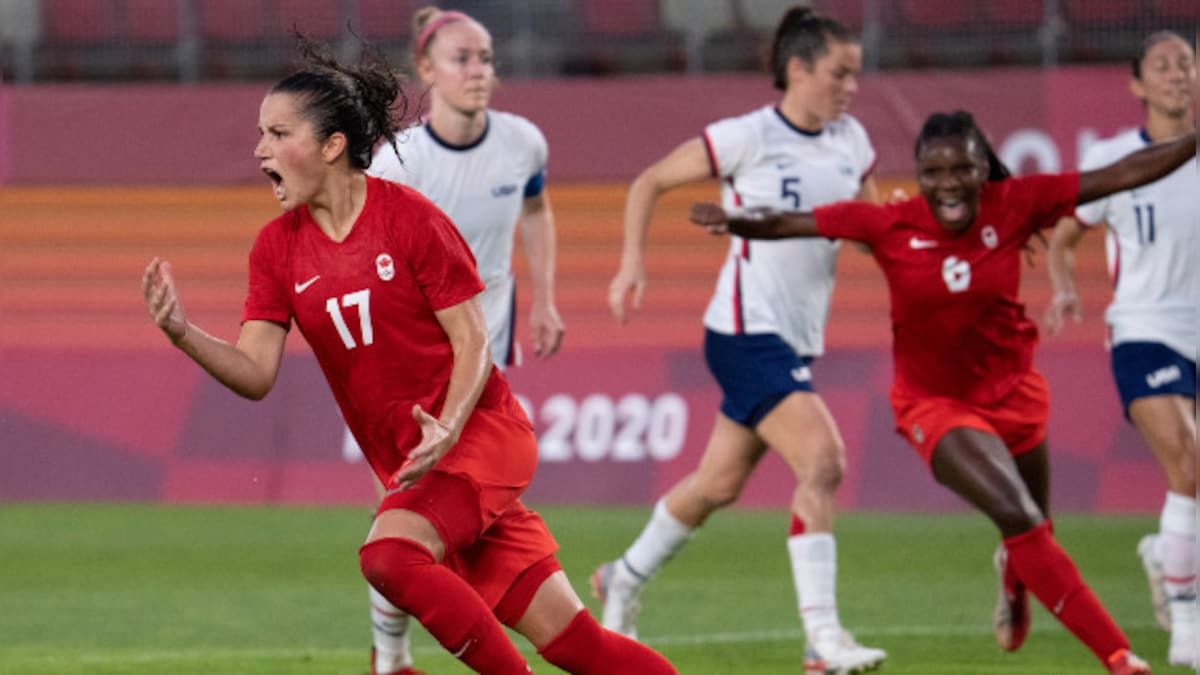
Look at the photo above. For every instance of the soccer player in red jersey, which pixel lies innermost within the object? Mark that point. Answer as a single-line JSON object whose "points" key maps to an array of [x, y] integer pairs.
{"points": [[965, 391], [384, 289]]}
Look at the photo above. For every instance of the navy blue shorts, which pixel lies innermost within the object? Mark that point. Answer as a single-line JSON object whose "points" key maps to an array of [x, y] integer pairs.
{"points": [[755, 373], [1144, 369]]}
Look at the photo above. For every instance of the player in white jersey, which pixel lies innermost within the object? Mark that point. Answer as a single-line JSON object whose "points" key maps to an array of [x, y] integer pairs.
{"points": [[486, 169], [1154, 318], [764, 325]]}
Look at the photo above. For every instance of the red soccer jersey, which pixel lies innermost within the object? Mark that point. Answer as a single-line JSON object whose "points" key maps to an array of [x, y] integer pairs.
{"points": [[366, 306], [959, 329]]}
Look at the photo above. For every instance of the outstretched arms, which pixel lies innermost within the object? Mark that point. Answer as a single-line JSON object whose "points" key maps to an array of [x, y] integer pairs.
{"points": [[249, 368], [1144, 166], [754, 224]]}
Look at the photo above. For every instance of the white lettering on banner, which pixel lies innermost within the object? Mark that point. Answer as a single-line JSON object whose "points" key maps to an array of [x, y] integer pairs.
{"points": [[633, 429], [1032, 144], [1037, 147]]}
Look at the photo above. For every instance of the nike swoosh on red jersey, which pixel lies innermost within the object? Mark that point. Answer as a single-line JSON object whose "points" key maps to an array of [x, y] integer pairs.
{"points": [[917, 242], [300, 288]]}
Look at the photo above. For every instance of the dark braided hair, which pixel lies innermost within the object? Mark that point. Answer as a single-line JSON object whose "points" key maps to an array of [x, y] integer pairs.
{"points": [[960, 124], [806, 35], [364, 102]]}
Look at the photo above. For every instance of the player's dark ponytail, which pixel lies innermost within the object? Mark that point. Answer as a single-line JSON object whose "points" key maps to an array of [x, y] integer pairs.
{"points": [[364, 101], [804, 34]]}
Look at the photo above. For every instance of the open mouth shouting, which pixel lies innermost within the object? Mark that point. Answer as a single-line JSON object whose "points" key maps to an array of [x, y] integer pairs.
{"points": [[276, 183], [951, 210]]}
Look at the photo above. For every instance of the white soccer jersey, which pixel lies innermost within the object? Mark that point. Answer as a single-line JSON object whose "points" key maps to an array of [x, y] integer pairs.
{"points": [[1153, 250], [783, 286], [482, 187]]}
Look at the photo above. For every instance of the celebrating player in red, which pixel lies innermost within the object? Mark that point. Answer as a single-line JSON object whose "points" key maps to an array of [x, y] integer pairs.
{"points": [[486, 169], [965, 393], [384, 289]]}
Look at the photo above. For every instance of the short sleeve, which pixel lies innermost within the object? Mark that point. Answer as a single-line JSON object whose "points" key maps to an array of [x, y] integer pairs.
{"points": [[441, 262], [731, 145], [385, 162], [860, 221], [539, 155], [861, 148], [1050, 197], [1094, 212], [267, 298]]}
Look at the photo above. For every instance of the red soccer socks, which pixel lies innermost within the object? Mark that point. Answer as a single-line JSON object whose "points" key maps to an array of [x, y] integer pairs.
{"points": [[405, 573], [584, 648], [1049, 573]]}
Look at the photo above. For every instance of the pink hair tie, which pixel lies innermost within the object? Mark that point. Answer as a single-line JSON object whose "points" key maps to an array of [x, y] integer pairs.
{"points": [[432, 27]]}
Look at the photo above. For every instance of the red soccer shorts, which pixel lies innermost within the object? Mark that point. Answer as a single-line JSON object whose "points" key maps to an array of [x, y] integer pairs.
{"points": [[471, 499], [1019, 418]]}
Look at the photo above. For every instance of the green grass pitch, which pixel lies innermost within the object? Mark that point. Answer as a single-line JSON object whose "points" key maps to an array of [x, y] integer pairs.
{"points": [[136, 589]]}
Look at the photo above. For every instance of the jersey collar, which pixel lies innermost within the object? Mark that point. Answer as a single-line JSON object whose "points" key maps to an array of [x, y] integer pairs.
{"points": [[793, 127], [460, 148]]}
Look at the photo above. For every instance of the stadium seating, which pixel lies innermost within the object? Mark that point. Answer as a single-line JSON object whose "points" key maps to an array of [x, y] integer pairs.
{"points": [[191, 39], [1103, 30], [1185, 11], [1013, 30], [711, 35], [318, 20], [1111, 12], [938, 14], [1008, 14], [233, 34], [79, 38], [153, 30], [762, 16], [151, 21], [386, 20], [622, 37]]}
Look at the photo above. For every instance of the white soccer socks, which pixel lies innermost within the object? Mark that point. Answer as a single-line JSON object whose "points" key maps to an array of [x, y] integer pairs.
{"points": [[389, 629]]}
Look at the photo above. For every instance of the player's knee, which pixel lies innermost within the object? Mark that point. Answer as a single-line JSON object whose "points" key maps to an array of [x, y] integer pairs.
{"points": [[1014, 516], [719, 493], [1185, 458], [824, 470], [1185, 468], [387, 564]]}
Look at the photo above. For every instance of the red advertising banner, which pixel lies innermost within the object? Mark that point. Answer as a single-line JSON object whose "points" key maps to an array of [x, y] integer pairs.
{"points": [[615, 426], [606, 129], [5, 137]]}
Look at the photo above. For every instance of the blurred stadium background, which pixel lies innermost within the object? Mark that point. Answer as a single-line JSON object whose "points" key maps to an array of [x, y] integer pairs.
{"points": [[126, 128], [202, 40]]}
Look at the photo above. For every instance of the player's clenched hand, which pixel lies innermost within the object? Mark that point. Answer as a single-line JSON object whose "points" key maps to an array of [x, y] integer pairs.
{"points": [[547, 328], [710, 216], [436, 440], [162, 300], [1061, 306], [630, 280]]}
